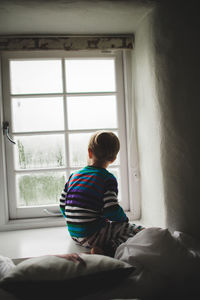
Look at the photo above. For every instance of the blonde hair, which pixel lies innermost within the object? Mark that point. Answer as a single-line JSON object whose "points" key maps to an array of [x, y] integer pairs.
{"points": [[104, 145]]}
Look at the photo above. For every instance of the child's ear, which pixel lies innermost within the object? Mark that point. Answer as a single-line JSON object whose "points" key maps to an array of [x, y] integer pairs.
{"points": [[90, 154], [113, 159]]}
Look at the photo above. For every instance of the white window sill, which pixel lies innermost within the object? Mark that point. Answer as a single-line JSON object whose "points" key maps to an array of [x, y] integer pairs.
{"points": [[38, 223], [21, 244]]}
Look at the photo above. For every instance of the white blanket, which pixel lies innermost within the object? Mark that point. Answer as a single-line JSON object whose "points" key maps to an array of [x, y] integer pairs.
{"points": [[6, 265], [167, 265], [174, 259]]}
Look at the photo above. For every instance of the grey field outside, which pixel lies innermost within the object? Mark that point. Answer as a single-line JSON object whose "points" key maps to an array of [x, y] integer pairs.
{"points": [[44, 187], [43, 152]]}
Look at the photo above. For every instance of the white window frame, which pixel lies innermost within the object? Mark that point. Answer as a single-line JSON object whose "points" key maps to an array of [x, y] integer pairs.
{"points": [[29, 217]]}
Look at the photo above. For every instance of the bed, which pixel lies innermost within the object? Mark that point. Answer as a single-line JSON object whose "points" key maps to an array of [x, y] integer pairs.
{"points": [[154, 264]]}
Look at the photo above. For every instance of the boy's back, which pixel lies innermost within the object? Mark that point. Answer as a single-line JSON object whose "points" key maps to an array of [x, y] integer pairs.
{"points": [[88, 191]]}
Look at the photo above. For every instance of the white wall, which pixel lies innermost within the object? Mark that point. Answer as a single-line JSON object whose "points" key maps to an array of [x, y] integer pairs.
{"points": [[178, 76], [68, 17], [168, 121], [148, 126]]}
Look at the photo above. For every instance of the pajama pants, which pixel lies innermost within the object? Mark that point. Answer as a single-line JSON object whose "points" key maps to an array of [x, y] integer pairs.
{"points": [[110, 236]]}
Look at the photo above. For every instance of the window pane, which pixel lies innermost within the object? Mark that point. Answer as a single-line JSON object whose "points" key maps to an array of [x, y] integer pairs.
{"points": [[116, 173], [43, 151], [37, 114], [35, 76], [90, 112], [39, 189], [90, 75], [78, 149]]}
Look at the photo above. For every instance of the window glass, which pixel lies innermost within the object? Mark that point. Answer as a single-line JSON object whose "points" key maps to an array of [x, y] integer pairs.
{"points": [[40, 151], [37, 114], [92, 112], [39, 188], [35, 76], [78, 149], [90, 75], [116, 173]]}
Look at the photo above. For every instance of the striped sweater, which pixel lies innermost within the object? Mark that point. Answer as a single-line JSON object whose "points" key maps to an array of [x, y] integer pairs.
{"points": [[89, 199]]}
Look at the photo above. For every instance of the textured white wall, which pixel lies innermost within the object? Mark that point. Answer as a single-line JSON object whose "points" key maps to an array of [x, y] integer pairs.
{"points": [[177, 45], [71, 16], [148, 126], [167, 103]]}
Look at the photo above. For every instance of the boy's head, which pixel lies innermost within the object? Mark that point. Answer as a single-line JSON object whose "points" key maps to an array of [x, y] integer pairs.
{"points": [[104, 146]]}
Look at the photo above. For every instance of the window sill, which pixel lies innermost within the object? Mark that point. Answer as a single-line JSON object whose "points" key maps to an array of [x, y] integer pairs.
{"points": [[32, 223], [21, 244], [46, 222]]}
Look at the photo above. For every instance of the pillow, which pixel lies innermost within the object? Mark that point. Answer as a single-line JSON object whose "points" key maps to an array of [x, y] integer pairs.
{"points": [[158, 250], [6, 265], [53, 277]]}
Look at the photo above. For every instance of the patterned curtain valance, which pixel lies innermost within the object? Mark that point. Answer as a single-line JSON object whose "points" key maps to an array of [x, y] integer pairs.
{"points": [[66, 43]]}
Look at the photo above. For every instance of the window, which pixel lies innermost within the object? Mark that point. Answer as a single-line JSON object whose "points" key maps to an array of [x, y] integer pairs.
{"points": [[53, 102]]}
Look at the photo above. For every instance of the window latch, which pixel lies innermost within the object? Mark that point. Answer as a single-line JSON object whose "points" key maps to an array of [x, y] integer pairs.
{"points": [[52, 213], [6, 131]]}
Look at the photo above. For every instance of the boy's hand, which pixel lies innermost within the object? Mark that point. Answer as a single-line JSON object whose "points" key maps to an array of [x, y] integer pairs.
{"points": [[73, 257]]}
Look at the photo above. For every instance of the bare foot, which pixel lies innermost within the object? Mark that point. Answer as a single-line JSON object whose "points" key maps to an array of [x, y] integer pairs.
{"points": [[96, 250]]}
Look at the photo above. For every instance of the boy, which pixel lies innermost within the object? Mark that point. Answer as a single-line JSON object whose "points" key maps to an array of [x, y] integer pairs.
{"points": [[89, 200]]}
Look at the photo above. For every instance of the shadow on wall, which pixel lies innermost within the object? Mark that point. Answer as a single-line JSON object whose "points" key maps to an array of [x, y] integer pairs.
{"points": [[177, 48]]}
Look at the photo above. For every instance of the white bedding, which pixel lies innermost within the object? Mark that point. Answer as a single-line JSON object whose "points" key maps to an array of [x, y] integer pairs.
{"points": [[159, 250], [6, 265], [166, 261], [167, 267]]}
